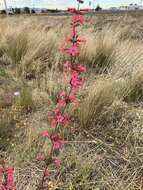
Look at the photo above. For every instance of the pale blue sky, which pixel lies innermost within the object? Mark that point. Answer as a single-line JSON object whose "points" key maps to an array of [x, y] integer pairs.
{"points": [[63, 4]]}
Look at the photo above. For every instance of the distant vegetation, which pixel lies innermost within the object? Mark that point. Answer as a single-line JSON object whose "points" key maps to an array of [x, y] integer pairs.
{"points": [[27, 10]]}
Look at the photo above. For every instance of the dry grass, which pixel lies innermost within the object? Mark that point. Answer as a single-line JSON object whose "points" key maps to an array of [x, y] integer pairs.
{"points": [[105, 152]]}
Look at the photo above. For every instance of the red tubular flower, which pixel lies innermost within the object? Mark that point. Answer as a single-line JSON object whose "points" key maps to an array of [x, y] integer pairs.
{"points": [[2, 187], [57, 162], [75, 81], [77, 20], [56, 111], [54, 123], [80, 40], [74, 38], [45, 134], [66, 120], [62, 94], [73, 99], [13, 188], [57, 141], [40, 156], [67, 67], [65, 99], [73, 51], [47, 172], [8, 173], [60, 119], [81, 68], [61, 103]]}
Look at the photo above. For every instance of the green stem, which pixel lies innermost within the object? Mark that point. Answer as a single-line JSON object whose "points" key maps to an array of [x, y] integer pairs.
{"points": [[49, 160]]}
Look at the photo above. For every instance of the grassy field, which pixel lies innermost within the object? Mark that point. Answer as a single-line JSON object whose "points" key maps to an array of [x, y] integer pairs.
{"points": [[105, 148]]}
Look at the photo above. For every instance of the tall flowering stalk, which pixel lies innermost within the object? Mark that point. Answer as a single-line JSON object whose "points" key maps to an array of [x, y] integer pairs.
{"points": [[60, 117]]}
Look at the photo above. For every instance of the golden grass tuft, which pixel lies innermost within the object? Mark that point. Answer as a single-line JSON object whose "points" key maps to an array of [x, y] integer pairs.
{"points": [[99, 51]]}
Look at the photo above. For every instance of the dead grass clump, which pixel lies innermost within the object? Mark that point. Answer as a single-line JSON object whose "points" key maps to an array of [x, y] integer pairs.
{"points": [[136, 86], [101, 96], [98, 52], [30, 51], [41, 54], [16, 47], [105, 113], [128, 58], [128, 67]]}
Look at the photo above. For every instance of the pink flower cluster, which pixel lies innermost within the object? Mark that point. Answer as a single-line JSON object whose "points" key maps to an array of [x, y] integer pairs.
{"points": [[7, 177], [75, 69], [61, 118]]}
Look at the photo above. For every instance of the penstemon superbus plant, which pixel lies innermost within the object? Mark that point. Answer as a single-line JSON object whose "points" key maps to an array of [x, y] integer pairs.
{"points": [[60, 117]]}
